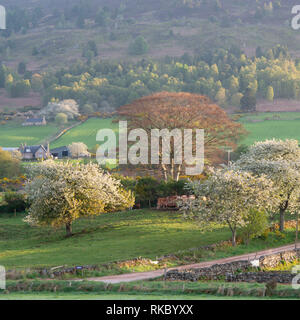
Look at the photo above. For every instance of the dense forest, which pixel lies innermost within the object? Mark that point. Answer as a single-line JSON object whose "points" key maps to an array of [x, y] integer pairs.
{"points": [[223, 75]]}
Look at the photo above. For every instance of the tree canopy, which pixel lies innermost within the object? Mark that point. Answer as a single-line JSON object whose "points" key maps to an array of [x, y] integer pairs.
{"points": [[60, 193], [279, 161], [229, 197], [9, 165], [181, 111]]}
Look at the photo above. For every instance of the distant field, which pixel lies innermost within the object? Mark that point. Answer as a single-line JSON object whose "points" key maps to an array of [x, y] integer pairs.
{"points": [[13, 134], [261, 126], [85, 133], [280, 125]]}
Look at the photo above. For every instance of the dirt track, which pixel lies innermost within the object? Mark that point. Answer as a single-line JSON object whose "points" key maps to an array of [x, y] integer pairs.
{"points": [[154, 274]]}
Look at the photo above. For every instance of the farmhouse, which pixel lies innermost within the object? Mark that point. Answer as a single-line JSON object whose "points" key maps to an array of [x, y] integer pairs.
{"points": [[34, 152], [61, 152], [35, 122]]}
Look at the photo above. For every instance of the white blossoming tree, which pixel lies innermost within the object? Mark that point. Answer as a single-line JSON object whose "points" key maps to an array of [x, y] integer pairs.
{"points": [[279, 161], [78, 149], [227, 197], [60, 193], [69, 107]]}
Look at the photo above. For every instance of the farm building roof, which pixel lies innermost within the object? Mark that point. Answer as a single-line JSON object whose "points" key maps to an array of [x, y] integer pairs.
{"points": [[34, 120], [32, 149], [59, 149]]}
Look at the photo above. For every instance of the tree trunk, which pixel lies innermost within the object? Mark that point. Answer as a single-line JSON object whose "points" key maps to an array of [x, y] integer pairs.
{"points": [[165, 172], [172, 169], [283, 208], [233, 237], [69, 229], [178, 172], [281, 223]]}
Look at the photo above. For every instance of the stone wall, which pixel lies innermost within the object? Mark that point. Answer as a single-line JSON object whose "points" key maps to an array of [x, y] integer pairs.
{"points": [[261, 277], [238, 270], [273, 260], [211, 273]]}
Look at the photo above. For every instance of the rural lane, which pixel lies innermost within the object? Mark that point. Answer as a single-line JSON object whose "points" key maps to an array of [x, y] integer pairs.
{"points": [[136, 276]]}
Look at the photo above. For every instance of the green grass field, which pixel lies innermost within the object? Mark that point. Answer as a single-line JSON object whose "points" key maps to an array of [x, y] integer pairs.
{"points": [[146, 290], [114, 237], [117, 237], [262, 126], [124, 296], [85, 133], [120, 296], [109, 237], [13, 134]]}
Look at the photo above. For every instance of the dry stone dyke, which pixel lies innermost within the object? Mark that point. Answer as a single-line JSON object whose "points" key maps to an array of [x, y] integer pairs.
{"points": [[239, 270]]}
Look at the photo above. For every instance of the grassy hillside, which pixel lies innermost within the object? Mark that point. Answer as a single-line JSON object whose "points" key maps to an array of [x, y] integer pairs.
{"points": [[13, 134], [283, 125], [109, 237], [85, 133], [260, 126], [115, 237], [170, 27]]}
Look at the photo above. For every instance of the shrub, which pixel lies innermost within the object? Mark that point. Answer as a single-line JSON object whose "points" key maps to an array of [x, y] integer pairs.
{"points": [[149, 189], [265, 234], [279, 234], [256, 223], [87, 109], [139, 46], [128, 183], [239, 151], [172, 188], [61, 118], [9, 166], [15, 201], [146, 190]]}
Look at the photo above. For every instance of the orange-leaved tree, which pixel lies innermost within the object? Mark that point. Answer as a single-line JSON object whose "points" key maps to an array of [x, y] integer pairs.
{"points": [[169, 110]]}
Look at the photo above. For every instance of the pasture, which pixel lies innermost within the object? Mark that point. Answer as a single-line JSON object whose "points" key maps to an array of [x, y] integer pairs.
{"points": [[106, 238], [85, 132], [260, 126], [145, 290], [115, 237], [269, 125], [13, 134]]}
